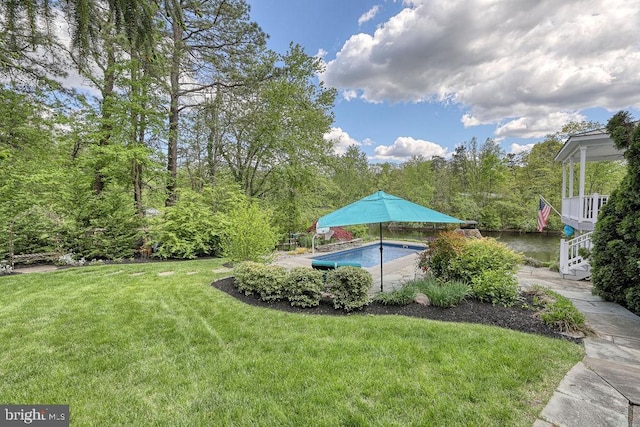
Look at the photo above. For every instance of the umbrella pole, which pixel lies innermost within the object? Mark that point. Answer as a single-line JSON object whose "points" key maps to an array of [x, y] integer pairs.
{"points": [[381, 288]]}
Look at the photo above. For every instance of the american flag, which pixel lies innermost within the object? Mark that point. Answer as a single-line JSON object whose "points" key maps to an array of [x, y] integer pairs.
{"points": [[544, 210]]}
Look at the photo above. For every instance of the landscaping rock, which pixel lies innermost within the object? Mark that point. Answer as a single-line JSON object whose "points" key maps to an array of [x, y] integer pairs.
{"points": [[422, 299]]}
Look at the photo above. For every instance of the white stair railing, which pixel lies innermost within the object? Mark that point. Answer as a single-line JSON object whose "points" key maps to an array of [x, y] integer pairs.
{"points": [[570, 258]]}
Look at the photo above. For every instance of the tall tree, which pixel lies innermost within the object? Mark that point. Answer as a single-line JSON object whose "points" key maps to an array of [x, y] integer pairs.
{"points": [[209, 41], [277, 123], [352, 175]]}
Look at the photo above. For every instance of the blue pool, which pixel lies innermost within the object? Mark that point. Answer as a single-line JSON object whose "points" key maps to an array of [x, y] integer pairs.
{"points": [[368, 256]]}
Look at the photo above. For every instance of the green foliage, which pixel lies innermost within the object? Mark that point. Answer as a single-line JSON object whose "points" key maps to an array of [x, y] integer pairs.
{"points": [[441, 294], [247, 232], [106, 227], [490, 218], [558, 311], [305, 240], [358, 231], [268, 281], [401, 296], [448, 294], [35, 230], [532, 262], [187, 229], [632, 298], [584, 253], [616, 241], [350, 287], [481, 255], [304, 287], [496, 287], [453, 257], [440, 253]]}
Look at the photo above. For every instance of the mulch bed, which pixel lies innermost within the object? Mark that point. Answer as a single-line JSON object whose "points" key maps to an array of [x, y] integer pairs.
{"points": [[469, 311]]}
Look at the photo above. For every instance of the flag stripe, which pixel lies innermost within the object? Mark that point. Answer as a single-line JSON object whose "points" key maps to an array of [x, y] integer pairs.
{"points": [[544, 210]]}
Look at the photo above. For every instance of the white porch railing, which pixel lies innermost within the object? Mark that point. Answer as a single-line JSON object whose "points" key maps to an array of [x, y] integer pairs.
{"points": [[583, 209], [570, 258]]}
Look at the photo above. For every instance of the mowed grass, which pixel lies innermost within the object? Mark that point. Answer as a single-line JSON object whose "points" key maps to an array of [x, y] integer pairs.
{"points": [[123, 345]]}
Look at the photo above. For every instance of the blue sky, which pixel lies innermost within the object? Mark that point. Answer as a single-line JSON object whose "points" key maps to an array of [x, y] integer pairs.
{"points": [[418, 77]]}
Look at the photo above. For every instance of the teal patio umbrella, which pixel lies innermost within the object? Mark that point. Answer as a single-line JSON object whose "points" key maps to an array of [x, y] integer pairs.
{"points": [[381, 207]]}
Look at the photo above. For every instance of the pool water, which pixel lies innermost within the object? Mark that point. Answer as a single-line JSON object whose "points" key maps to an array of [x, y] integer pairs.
{"points": [[368, 256]]}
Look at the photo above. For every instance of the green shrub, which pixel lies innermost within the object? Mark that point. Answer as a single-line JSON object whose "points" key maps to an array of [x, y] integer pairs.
{"points": [[402, 296], [105, 226], [632, 296], [532, 262], [438, 257], [187, 229], [304, 287], [558, 311], [35, 230], [305, 240], [266, 280], [616, 247], [447, 294], [350, 287], [358, 231], [496, 287], [248, 234], [481, 255]]}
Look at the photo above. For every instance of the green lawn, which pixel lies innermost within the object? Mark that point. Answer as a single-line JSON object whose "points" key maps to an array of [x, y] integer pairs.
{"points": [[123, 345]]}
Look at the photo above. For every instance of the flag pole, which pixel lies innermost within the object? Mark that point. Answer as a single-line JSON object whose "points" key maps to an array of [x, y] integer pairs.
{"points": [[554, 209]]}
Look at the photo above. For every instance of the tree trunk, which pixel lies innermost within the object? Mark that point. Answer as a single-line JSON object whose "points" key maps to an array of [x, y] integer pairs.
{"points": [[172, 146], [106, 127]]}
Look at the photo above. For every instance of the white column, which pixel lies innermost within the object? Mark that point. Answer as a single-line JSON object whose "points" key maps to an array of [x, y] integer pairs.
{"points": [[583, 164], [571, 177], [564, 180]]}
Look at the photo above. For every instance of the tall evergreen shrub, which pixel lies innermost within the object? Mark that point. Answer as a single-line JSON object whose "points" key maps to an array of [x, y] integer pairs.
{"points": [[616, 243]]}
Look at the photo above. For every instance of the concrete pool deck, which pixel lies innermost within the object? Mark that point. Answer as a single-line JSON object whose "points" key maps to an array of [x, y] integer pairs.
{"points": [[396, 272]]}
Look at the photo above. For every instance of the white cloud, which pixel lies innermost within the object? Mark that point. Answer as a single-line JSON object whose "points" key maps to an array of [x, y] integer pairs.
{"points": [[321, 53], [349, 94], [521, 65], [405, 147], [536, 126], [368, 142], [341, 140], [517, 148], [369, 15], [468, 121]]}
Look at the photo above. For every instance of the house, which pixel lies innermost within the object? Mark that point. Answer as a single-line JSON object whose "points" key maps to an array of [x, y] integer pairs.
{"points": [[580, 210]]}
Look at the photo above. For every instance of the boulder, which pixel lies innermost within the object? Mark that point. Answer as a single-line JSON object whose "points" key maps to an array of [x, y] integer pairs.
{"points": [[422, 299]]}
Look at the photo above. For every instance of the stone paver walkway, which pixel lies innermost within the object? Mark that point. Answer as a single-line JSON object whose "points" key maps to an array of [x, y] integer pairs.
{"points": [[604, 388]]}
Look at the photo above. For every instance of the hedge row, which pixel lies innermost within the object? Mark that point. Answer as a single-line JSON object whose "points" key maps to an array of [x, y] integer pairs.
{"points": [[303, 287]]}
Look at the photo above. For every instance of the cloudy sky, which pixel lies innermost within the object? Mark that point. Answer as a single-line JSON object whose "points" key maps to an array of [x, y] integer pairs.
{"points": [[418, 77]]}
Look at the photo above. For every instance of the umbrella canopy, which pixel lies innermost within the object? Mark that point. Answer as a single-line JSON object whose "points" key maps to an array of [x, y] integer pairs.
{"points": [[382, 207]]}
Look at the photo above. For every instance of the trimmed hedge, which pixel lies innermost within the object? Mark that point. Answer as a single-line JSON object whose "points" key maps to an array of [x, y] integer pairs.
{"points": [[350, 287], [266, 280], [304, 287]]}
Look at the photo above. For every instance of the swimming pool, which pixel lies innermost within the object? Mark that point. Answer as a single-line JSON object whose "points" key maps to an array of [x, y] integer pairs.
{"points": [[368, 256]]}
